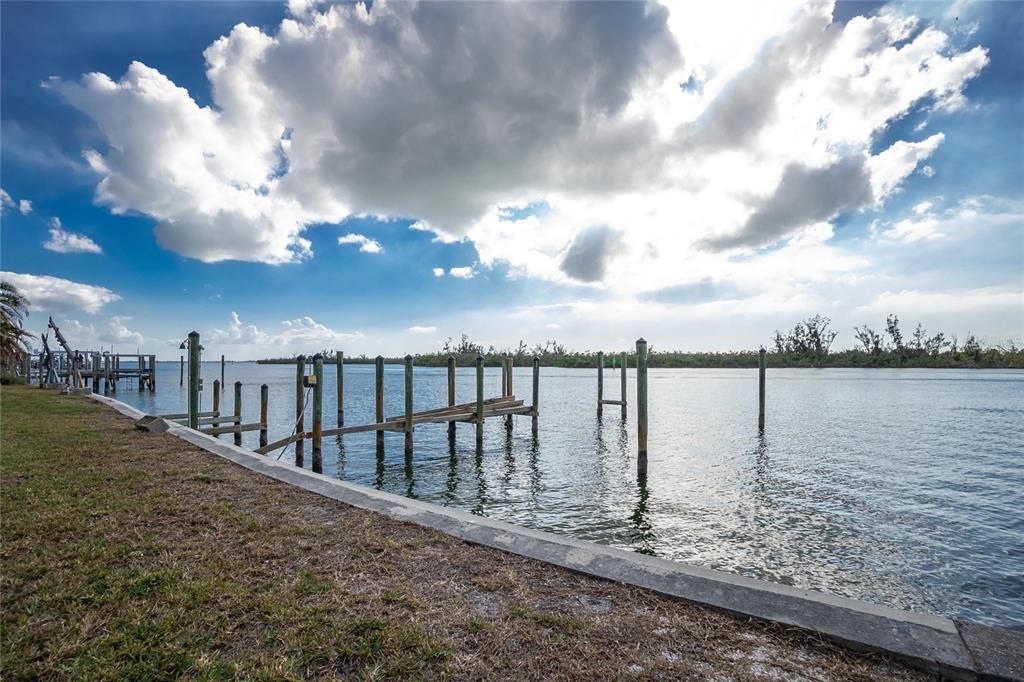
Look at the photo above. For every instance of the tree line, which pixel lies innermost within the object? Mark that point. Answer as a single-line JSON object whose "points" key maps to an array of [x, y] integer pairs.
{"points": [[808, 344]]}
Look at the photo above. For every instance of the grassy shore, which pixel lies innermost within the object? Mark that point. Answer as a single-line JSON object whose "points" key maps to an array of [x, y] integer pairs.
{"points": [[134, 555]]}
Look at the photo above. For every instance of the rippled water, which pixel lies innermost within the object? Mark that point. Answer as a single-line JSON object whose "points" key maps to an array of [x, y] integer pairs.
{"points": [[900, 487]]}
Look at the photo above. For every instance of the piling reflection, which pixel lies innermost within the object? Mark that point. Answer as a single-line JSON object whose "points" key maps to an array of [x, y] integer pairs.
{"points": [[378, 476], [481, 479], [644, 538], [410, 476], [452, 481], [534, 460]]}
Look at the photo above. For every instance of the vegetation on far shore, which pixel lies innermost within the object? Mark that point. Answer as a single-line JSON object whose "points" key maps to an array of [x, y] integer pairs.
{"points": [[807, 344]]}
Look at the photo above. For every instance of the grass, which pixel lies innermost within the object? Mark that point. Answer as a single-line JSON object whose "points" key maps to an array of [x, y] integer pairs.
{"points": [[134, 555]]}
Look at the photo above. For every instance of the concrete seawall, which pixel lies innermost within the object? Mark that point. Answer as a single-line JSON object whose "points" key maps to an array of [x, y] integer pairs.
{"points": [[954, 649]]}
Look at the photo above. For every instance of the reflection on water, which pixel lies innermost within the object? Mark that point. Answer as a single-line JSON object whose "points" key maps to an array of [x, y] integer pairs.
{"points": [[902, 487]]}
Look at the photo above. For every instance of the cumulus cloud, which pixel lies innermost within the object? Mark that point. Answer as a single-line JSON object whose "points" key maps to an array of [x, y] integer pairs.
{"points": [[62, 241], [465, 272], [303, 333], [447, 114], [60, 296], [416, 329], [366, 245], [118, 332], [24, 206], [438, 272], [587, 258]]}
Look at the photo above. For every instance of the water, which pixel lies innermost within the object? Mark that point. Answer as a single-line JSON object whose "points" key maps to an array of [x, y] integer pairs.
{"points": [[899, 487]]}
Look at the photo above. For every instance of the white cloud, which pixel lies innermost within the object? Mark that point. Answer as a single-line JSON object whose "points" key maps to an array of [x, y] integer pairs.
{"points": [[68, 242], [303, 334], [911, 301], [24, 206], [415, 329], [969, 215], [366, 245], [426, 117], [462, 273], [60, 296], [438, 272], [118, 332]]}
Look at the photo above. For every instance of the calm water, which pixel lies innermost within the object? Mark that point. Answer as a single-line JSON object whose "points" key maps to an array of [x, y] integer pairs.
{"points": [[900, 487]]}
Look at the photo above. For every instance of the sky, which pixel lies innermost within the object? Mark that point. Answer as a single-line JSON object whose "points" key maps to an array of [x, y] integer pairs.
{"points": [[286, 178]]}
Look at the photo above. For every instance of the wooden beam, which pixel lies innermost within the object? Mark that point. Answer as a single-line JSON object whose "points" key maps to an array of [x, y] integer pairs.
{"points": [[278, 444], [232, 429]]}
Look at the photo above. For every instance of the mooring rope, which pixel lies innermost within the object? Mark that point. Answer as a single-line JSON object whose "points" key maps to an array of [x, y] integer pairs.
{"points": [[295, 428]]}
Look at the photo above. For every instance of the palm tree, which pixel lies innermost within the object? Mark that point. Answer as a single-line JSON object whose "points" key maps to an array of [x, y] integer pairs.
{"points": [[13, 337]]}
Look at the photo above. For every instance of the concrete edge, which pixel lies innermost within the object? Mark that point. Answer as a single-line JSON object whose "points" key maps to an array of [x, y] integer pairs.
{"points": [[932, 643]]}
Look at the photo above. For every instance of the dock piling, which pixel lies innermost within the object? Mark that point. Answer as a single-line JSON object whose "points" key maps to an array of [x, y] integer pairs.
{"points": [[300, 409], [536, 394], [479, 398], [451, 394], [408, 405], [761, 367], [623, 363], [600, 383], [318, 413], [193, 380], [339, 359], [264, 401], [216, 401], [641, 406], [152, 373], [222, 371], [509, 363], [379, 391], [238, 411], [181, 371]]}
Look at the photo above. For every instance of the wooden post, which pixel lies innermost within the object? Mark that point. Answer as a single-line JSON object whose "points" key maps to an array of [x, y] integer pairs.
{"points": [[300, 410], [504, 377], [152, 374], [623, 362], [318, 413], [238, 411], [379, 396], [479, 398], [216, 403], [408, 405], [181, 372], [106, 372], [95, 372], [222, 371], [600, 383], [508, 388], [141, 365], [264, 400], [193, 380], [451, 393], [117, 369], [339, 358], [641, 406], [761, 366], [536, 392]]}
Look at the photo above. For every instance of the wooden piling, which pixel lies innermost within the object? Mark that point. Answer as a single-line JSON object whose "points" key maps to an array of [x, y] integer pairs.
{"points": [[509, 363], [600, 383], [300, 411], [216, 401], [238, 411], [479, 398], [379, 398], [641, 405], [408, 405], [95, 373], [339, 359], [761, 367], [181, 372], [106, 372], [193, 380], [222, 371], [140, 363], [264, 403], [536, 393], [152, 373], [623, 363], [318, 414], [451, 393]]}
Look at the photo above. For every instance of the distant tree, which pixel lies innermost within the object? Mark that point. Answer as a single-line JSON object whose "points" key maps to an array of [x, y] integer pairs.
{"points": [[870, 339], [892, 328], [972, 348]]}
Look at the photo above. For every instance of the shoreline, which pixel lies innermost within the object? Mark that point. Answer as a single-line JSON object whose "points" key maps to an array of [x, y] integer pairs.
{"points": [[941, 637]]}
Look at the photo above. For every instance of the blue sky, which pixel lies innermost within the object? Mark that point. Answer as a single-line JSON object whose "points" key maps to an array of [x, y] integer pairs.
{"points": [[851, 160]]}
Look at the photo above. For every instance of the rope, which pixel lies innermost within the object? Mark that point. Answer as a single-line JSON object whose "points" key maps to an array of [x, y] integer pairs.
{"points": [[295, 428]]}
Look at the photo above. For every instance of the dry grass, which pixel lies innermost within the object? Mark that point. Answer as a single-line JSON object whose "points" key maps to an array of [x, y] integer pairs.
{"points": [[132, 555]]}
